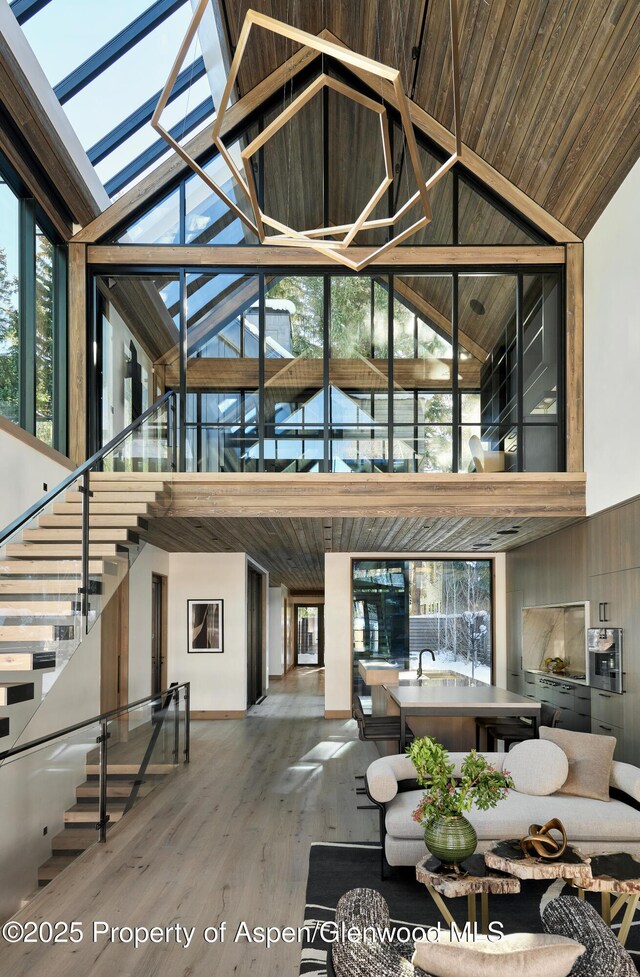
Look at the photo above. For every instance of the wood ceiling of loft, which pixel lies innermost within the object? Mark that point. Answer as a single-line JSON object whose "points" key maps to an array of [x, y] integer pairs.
{"points": [[549, 88], [293, 549]]}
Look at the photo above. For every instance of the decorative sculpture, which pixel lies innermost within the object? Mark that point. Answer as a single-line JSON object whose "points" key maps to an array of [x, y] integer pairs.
{"points": [[539, 842], [334, 242]]}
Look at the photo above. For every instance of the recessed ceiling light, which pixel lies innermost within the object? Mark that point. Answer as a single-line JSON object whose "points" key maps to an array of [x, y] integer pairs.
{"points": [[507, 532], [476, 306]]}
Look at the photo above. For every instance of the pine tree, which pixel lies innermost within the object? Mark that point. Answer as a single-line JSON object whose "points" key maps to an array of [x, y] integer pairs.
{"points": [[9, 339]]}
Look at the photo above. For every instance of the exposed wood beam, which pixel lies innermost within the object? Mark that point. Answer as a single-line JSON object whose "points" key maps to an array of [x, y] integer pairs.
{"points": [[575, 358], [442, 322], [77, 345], [211, 373], [176, 255], [553, 495], [32, 107]]}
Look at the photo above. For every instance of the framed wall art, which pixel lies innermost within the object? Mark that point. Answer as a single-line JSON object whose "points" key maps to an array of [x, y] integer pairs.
{"points": [[205, 627]]}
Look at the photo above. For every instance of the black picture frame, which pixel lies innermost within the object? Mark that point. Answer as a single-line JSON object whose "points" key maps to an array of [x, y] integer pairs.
{"points": [[205, 627]]}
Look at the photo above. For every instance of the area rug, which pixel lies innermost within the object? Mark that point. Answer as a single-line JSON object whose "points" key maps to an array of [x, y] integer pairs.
{"points": [[336, 868]]}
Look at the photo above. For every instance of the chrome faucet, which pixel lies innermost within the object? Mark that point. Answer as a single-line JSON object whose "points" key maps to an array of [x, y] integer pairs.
{"points": [[423, 652]]}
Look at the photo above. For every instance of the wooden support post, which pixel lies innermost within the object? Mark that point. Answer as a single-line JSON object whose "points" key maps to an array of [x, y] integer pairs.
{"points": [[77, 345], [575, 358]]}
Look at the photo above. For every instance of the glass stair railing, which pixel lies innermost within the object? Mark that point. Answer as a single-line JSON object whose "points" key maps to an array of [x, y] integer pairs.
{"points": [[62, 561]]}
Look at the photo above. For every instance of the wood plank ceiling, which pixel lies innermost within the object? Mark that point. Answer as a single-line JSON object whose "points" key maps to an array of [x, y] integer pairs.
{"points": [[550, 89], [293, 549]]}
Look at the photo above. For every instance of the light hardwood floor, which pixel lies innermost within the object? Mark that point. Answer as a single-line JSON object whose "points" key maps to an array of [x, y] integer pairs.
{"points": [[227, 839]]}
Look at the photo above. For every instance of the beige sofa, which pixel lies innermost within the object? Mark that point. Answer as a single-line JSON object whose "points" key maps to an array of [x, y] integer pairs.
{"points": [[593, 825]]}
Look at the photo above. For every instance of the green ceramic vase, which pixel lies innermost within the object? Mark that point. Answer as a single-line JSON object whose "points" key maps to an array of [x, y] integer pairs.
{"points": [[451, 839]]}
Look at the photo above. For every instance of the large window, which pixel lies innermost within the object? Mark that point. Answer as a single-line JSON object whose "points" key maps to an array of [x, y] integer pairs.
{"points": [[32, 316], [279, 372], [401, 606]]}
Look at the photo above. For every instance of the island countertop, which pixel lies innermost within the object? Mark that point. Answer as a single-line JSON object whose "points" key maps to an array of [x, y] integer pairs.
{"points": [[471, 701]]}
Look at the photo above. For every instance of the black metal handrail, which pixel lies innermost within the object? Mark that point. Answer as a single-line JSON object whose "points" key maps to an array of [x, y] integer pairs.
{"points": [[164, 699], [103, 717], [83, 469]]}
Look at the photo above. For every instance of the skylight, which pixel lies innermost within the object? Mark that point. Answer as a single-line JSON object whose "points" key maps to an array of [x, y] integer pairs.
{"points": [[108, 63]]}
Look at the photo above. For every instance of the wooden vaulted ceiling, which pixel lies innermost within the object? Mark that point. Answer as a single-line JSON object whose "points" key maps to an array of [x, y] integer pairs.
{"points": [[550, 89]]}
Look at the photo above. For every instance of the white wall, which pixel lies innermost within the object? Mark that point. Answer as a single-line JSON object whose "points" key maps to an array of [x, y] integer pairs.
{"points": [[277, 630], [37, 789], [25, 469], [151, 560], [337, 620], [612, 349], [219, 682]]}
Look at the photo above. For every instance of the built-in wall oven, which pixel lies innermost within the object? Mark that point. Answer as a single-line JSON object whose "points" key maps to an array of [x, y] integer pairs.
{"points": [[605, 658]]}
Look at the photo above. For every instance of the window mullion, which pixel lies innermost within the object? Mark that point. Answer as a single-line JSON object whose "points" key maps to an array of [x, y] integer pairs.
{"points": [[27, 314]]}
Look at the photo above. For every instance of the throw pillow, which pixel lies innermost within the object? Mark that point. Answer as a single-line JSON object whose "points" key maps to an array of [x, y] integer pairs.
{"points": [[590, 759], [604, 956], [524, 954], [537, 766]]}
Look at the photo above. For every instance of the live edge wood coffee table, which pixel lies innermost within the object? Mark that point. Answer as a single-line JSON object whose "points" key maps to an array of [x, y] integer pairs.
{"points": [[508, 856], [616, 874], [474, 879]]}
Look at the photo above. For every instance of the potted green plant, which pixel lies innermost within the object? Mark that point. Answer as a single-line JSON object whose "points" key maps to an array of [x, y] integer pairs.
{"points": [[447, 833]]}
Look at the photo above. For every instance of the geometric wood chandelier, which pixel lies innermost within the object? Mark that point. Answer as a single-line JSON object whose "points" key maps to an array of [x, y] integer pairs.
{"points": [[334, 242]]}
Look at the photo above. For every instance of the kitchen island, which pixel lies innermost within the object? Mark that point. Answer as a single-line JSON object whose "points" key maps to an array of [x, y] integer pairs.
{"points": [[466, 702]]}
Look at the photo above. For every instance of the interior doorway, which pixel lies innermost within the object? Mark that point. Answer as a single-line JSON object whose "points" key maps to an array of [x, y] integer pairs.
{"points": [[158, 633], [309, 635], [255, 636], [114, 653]]}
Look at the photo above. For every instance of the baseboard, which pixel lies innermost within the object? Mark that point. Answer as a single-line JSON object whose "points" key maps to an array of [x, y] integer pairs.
{"points": [[337, 714], [276, 678], [219, 714]]}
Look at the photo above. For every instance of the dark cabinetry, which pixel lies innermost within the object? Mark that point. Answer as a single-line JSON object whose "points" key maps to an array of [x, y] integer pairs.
{"points": [[598, 559], [573, 701]]}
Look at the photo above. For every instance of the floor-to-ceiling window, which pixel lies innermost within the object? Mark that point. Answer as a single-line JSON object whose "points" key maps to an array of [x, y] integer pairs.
{"points": [[33, 372], [325, 372], [402, 606]]}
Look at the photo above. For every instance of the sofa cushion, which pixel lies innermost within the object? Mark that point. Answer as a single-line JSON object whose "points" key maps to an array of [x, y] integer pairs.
{"points": [[518, 955], [590, 759], [537, 767], [585, 819], [605, 957], [625, 777]]}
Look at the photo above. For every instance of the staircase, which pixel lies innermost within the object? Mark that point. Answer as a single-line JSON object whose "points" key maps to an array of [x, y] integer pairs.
{"points": [[41, 622], [80, 820]]}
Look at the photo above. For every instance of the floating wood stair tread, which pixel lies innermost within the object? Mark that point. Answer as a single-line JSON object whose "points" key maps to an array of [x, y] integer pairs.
{"points": [[52, 868], [16, 590], [72, 535], [88, 813], [26, 661], [100, 508], [131, 769], [17, 607], [106, 482], [13, 692], [56, 551], [121, 521], [116, 788], [71, 569], [29, 632], [115, 498], [74, 840]]}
